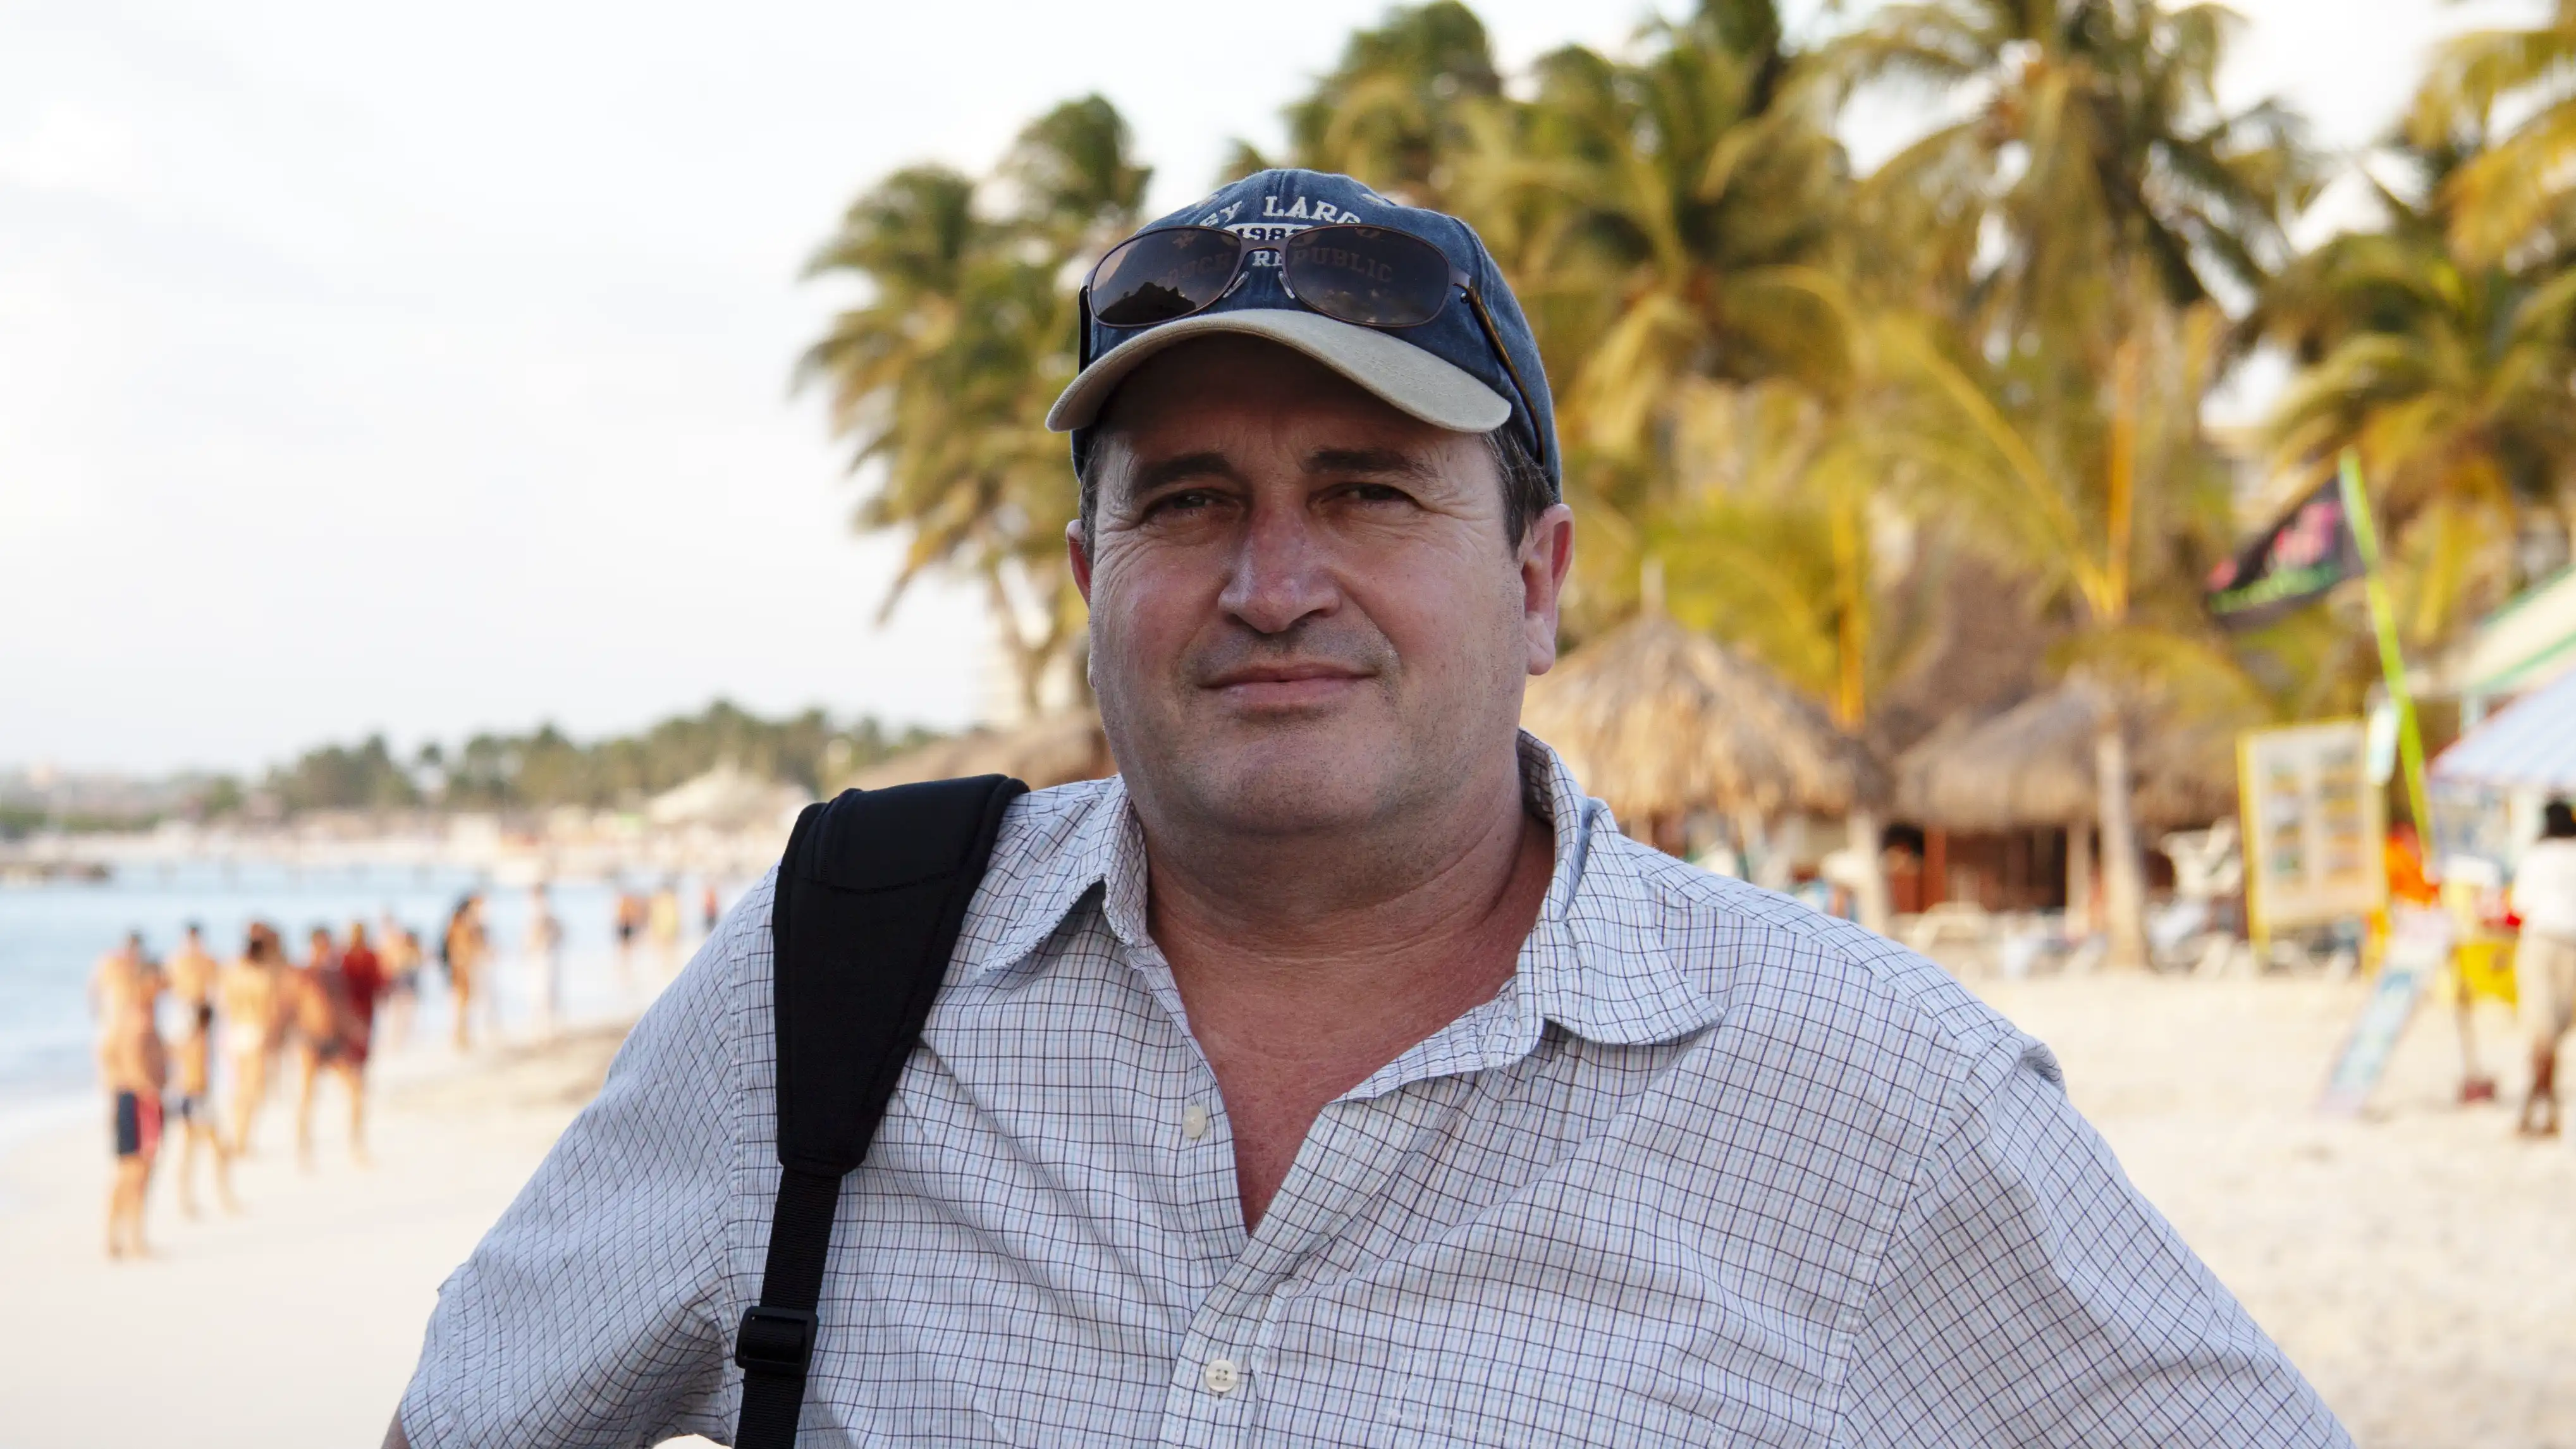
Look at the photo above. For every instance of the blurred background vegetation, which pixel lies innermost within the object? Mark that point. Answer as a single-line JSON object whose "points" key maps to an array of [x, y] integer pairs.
{"points": [[1835, 404], [1921, 439], [1925, 439], [534, 771]]}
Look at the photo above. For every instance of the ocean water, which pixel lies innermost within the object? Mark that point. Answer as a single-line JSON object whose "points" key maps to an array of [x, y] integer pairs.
{"points": [[52, 934]]}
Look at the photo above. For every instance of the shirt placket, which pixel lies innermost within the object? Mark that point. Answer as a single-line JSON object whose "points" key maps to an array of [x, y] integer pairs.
{"points": [[1219, 1378]]}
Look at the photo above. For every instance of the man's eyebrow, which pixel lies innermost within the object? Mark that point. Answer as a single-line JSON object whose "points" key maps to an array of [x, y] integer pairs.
{"points": [[1383, 461], [1163, 472]]}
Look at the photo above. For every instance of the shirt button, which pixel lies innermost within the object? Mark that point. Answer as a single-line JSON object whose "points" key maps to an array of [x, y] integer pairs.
{"points": [[1194, 1123], [1221, 1375]]}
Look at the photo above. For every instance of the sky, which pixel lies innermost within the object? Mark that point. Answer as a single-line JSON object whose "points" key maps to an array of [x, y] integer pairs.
{"points": [[426, 369]]}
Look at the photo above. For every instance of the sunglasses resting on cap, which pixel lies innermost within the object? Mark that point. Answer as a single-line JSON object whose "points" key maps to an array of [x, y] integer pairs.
{"points": [[1300, 258]]}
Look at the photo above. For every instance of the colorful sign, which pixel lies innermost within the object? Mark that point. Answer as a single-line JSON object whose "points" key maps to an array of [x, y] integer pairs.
{"points": [[2312, 826], [2310, 550]]}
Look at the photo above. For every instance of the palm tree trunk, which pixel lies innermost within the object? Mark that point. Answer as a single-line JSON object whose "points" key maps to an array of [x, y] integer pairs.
{"points": [[2124, 872], [2079, 879], [1869, 897]]}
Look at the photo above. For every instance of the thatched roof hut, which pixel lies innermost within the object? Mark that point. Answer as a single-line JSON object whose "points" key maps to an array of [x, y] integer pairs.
{"points": [[1659, 721], [1052, 751], [2033, 766]]}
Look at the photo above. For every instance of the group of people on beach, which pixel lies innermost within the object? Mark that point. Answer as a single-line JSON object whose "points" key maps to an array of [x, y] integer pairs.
{"points": [[656, 918], [321, 1007], [253, 1010]]}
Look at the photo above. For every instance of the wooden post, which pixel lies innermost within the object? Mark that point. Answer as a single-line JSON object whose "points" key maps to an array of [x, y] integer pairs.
{"points": [[2079, 880]]}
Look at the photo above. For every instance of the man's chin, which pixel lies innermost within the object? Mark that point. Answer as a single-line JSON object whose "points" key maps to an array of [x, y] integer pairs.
{"points": [[1292, 785]]}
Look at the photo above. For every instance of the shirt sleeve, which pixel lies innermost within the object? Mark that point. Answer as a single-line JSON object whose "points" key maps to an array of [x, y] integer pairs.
{"points": [[593, 1312], [2031, 1296]]}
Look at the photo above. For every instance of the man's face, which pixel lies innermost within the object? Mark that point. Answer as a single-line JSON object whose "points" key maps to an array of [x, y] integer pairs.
{"points": [[1305, 613]]}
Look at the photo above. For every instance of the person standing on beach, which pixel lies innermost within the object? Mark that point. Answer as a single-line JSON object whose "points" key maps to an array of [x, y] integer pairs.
{"points": [[191, 970], [192, 975], [630, 924], [2544, 959], [545, 961], [463, 948], [402, 960], [250, 997], [134, 1068], [662, 923], [125, 973], [1338, 1073], [335, 1008], [710, 909]]}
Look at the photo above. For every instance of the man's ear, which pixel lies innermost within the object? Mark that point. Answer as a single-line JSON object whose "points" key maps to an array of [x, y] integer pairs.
{"points": [[1077, 551], [1546, 556]]}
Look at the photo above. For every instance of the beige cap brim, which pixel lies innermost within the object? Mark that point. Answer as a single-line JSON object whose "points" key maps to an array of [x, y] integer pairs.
{"points": [[1410, 380]]}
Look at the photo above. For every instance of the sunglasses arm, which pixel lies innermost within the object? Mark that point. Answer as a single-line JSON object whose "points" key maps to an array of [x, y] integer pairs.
{"points": [[1494, 339]]}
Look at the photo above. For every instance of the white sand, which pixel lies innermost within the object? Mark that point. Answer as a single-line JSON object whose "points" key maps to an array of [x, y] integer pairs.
{"points": [[295, 1323], [2420, 1264]]}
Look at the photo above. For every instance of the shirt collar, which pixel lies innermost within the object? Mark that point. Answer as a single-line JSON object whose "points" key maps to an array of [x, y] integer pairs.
{"points": [[1595, 961]]}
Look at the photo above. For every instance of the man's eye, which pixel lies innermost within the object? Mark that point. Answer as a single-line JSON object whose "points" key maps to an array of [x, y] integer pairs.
{"points": [[1377, 493], [1188, 500]]}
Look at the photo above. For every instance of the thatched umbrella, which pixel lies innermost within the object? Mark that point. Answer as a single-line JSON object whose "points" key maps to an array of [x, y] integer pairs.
{"points": [[2033, 766], [2040, 763], [2030, 766], [1052, 751], [1660, 721]]}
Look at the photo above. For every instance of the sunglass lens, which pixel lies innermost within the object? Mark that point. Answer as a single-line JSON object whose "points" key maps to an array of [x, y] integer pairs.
{"points": [[1368, 275], [1162, 275]]}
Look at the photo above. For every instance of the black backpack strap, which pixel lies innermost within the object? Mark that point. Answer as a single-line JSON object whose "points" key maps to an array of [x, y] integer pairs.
{"points": [[870, 897]]}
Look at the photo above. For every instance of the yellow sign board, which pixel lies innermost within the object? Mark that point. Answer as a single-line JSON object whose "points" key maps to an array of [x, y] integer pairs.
{"points": [[2312, 825]]}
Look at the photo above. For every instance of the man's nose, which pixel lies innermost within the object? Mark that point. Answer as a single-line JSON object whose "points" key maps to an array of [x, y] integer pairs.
{"points": [[1281, 574]]}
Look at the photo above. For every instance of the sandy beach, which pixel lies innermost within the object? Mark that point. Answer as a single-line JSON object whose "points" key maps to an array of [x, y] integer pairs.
{"points": [[2418, 1263], [296, 1322]]}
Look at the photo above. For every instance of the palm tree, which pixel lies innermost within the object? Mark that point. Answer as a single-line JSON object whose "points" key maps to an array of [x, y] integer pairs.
{"points": [[2513, 192], [2452, 377], [2096, 482], [942, 373], [1394, 112], [1783, 541], [1667, 219], [2091, 139]]}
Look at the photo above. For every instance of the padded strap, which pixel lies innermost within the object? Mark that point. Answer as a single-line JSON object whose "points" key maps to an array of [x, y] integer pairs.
{"points": [[871, 895]]}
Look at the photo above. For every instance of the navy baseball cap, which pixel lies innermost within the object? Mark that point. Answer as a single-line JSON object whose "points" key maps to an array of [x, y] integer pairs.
{"points": [[1445, 371]]}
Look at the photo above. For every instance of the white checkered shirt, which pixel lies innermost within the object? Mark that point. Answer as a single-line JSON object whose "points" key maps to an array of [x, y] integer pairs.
{"points": [[1711, 1169]]}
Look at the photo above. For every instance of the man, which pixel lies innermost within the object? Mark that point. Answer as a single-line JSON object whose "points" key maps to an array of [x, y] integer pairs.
{"points": [[1337, 1074], [2544, 959], [334, 1002], [133, 1068], [122, 974], [249, 995], [193, 974]]}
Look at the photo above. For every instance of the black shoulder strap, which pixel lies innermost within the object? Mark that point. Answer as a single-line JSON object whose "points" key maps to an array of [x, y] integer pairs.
{"points": [[870, 897]]}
